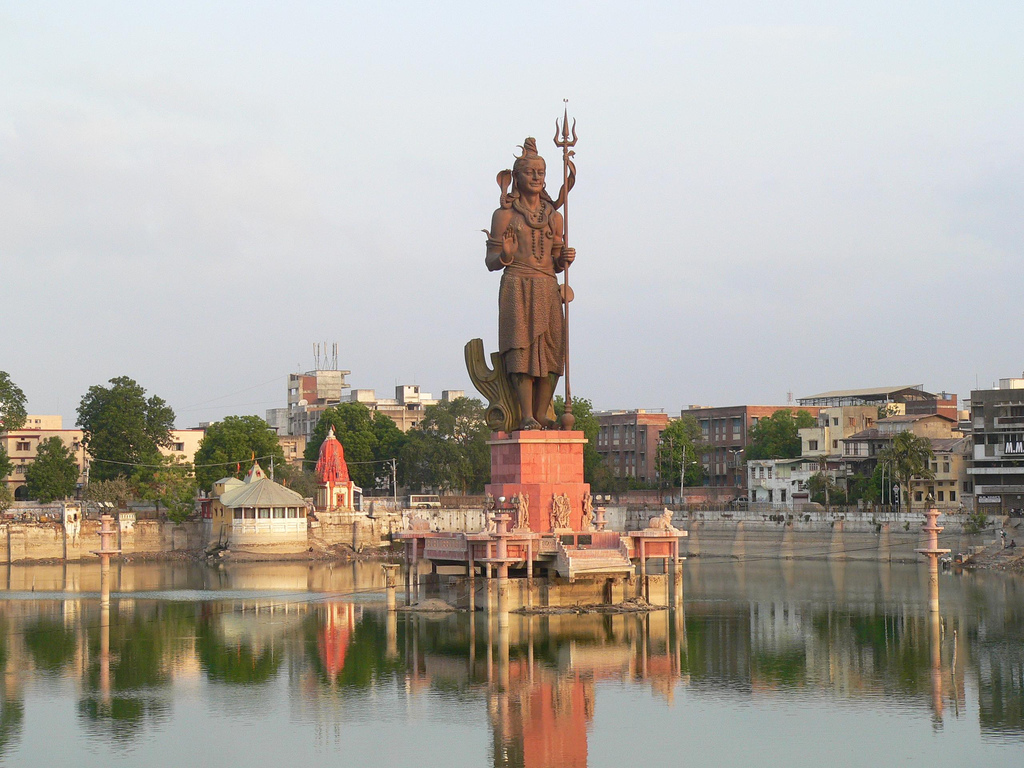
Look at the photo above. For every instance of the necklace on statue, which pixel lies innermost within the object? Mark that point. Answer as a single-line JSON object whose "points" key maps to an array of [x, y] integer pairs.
{"points": [[535, 220]]}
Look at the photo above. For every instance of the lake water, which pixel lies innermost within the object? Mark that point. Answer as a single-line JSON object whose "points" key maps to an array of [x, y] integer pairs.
{"points": [[769, 664]]}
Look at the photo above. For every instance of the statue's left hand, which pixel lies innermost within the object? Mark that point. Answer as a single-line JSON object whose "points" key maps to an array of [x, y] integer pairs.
{"points": [[568, 256]]}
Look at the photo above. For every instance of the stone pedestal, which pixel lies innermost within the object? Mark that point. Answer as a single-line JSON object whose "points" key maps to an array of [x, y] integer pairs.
{"points": [[540, 464]]}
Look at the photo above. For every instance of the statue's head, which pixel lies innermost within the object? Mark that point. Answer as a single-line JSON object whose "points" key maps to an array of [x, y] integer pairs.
{"points": [[529, 168]]}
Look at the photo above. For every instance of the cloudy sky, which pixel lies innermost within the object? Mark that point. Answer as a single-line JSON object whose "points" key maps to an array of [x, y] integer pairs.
{"points": [[799, 198]]}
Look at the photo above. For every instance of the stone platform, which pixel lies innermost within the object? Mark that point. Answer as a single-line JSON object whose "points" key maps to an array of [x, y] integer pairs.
{"points": [[542, 465]]}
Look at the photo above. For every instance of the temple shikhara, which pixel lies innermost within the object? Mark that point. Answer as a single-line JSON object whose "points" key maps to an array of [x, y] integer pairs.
{"points": [[336, 491]]}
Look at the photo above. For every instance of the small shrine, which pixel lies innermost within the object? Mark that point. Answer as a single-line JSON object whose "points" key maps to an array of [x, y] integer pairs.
{"points": [[336, 491], [257, 513]]}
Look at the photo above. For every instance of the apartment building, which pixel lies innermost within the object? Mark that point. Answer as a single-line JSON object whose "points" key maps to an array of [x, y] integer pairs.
{"points": [[628, 442], [23, 444], [726, 431], [996, 469]]}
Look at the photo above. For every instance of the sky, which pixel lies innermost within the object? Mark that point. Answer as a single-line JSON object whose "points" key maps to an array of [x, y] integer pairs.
{"points": [[770, 200]]}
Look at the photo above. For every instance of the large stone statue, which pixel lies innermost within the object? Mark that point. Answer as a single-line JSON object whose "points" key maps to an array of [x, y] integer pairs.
{"points": [[525, 242]]}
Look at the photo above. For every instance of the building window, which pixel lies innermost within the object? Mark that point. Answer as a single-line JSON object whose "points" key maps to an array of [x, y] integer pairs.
{"points": [[812, 445], [23, 445], [782, 495], [952, 495], [917, 496], [835, 421], [942, 495], [835, 444], [945, 466]]}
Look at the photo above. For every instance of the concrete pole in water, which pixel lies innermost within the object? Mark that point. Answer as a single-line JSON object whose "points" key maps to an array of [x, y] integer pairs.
{"points": [[390, 576], [932, 551], [107, 548]]}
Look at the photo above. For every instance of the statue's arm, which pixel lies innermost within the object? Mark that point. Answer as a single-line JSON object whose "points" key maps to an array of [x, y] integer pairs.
{"points": [[561, 255], [501, 242]]}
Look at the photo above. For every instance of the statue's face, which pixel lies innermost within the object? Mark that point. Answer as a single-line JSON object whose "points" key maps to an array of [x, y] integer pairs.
{"points": [[530, 176]]}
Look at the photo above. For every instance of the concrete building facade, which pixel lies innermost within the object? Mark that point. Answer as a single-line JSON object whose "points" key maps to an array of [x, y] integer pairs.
{"points": [[628, 442], [313, 392], [726, 431], [23, 444], [996, 470]]}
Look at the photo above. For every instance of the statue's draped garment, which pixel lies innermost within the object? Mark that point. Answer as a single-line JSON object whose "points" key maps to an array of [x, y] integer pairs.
{"points": [[530, 322]]}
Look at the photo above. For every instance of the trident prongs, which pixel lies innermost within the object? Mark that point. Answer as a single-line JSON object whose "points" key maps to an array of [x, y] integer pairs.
{"points": [[564, 141]]}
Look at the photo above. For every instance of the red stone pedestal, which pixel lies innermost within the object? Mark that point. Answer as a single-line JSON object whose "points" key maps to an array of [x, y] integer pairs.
{"points": [[540, 464]]}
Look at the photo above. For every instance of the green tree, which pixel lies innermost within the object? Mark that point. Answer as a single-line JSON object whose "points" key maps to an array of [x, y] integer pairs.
{"points": [[5, 498], [681, 438], [54, 472], [117, 491], [173, 484], [391, 442], [595, 471], [6, 467], [228, 447], [448, 449], [12, 404], [908, 457], [12, 416], [818, 483], [122, 427], [778, 436], [354, 427], [303, 481]]}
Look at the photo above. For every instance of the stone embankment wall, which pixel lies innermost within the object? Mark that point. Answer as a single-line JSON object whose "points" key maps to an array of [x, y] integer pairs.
{"points": [[862, 535], [50, 541], [711, 534]]}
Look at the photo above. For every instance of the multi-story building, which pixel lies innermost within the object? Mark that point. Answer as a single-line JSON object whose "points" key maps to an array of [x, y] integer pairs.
{"points": [[949, 467], [781, 482], [997, 436], [726, 432], [628, 442], [895, 399], [408, 406], [835, 424], [313, 392], [863, 447], [294, 448], [23, 444]]}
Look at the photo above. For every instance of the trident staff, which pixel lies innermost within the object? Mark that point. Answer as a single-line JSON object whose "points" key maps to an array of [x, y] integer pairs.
{"points": [[566, 143]]}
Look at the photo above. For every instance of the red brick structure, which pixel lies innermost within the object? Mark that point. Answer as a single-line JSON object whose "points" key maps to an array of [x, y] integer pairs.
{"points": [[541, 465], [628, 443]]}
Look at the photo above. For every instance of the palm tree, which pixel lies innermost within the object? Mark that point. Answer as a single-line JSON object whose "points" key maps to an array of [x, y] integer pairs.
{"points": [[909, 456]]}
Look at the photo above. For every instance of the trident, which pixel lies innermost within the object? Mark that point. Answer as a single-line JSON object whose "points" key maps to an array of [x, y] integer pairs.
{"points": [[567, 420]]}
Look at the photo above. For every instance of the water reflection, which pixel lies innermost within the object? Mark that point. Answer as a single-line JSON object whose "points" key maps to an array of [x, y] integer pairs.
{"points": [[751, 633]]}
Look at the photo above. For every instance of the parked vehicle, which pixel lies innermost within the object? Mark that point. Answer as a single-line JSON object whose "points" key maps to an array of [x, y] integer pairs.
{"points": [[424, 501]]}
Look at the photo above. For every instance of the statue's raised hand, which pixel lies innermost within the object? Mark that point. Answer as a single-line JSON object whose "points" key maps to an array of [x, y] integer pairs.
{"points": [[509, 244]]}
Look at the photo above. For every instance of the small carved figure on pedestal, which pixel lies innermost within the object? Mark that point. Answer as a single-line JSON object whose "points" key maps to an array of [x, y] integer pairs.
{"points": [[587, 521], [521, 503], [663, 522], [561, 510]]}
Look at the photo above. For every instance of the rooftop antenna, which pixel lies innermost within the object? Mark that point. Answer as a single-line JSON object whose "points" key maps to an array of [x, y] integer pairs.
{"points": [[789, 397]]}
